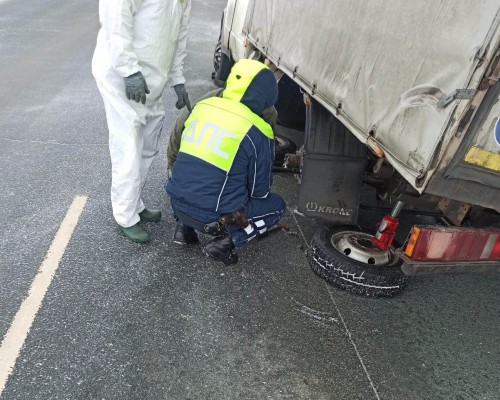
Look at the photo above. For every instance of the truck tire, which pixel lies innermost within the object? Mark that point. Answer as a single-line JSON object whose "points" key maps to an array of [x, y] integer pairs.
{"points": [[336, 255], [225, 63], [222, 60], [217, 55], [282, 146], [218, 48]]}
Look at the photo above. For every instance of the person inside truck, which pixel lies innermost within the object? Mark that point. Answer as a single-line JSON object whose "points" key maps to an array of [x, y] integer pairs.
{"points": [[221, 178]]}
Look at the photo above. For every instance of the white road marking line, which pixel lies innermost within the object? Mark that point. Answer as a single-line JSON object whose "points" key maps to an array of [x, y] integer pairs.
{"points": [[291, 211], [348, 332], [21, 324], [349, 335]]}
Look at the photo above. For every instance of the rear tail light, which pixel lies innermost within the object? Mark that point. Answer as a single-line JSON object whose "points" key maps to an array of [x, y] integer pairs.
{"points": [[453, 244]]}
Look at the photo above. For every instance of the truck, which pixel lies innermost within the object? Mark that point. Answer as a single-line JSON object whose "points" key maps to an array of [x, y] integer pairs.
{"points": [[400, 96]]}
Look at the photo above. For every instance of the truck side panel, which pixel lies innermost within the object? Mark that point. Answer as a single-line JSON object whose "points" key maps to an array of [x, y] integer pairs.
{"points": [[383, 67]]}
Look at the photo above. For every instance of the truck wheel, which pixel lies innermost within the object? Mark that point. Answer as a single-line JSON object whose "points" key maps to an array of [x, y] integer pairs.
{"points": [[223, 61], [282, 146], [344, 256], [218, 47], [217, 55]]}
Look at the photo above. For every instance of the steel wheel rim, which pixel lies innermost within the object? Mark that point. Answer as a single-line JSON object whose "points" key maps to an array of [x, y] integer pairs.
{"points": [[357, 246]]}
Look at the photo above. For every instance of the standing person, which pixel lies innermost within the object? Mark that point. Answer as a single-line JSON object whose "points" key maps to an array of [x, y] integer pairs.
{"points": [[140, 48], [222, 174]]}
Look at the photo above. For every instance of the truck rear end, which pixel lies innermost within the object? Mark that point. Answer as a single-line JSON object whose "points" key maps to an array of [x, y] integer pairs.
{"points": [[400, 95]]}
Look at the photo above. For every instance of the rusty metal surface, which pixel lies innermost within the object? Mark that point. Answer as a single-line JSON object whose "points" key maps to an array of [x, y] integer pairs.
{"points": [[454, 210]]}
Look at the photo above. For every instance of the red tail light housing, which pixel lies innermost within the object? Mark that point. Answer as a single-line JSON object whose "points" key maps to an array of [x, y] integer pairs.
{"points": [[437, 243]]}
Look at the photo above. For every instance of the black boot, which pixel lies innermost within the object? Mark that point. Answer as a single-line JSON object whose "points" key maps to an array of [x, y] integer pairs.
{"points": [[185, 234], [221, 249]]}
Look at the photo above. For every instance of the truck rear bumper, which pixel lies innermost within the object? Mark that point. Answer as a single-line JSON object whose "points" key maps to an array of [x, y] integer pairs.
{"points": [[412, 268]]}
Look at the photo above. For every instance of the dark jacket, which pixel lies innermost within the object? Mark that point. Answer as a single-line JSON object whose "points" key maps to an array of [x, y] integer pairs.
{"points": [[227, 149], [269, 115]]}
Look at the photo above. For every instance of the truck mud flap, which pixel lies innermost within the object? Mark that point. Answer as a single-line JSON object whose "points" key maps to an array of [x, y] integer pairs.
{"points": [[334, 164]]}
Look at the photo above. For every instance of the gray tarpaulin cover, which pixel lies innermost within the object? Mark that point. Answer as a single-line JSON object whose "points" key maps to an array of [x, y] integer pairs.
{"points": [[386, 63]]}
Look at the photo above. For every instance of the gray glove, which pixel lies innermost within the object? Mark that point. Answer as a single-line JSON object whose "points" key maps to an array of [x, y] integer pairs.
{"points": [[182, 97], [136, 87]]}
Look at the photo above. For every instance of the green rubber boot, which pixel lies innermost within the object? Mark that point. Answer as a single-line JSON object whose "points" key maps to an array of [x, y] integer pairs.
{"points": [[148, 215], [136, 234]]}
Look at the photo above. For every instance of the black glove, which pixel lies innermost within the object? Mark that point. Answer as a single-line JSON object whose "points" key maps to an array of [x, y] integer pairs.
{"points": [[182, 97], [237, 218], [136, 87]]}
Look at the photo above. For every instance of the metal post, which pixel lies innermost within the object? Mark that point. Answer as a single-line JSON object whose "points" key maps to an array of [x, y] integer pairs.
{"points": [[397, 209]]}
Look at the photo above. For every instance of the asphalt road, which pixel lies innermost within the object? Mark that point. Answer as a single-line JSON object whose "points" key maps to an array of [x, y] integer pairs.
{"points": [[124, 321]]}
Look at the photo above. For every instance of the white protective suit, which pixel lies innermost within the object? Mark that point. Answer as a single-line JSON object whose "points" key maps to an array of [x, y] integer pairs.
{"points": [[137, 35]]}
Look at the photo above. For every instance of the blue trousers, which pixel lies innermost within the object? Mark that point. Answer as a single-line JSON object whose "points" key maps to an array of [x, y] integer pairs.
{"points": [[262, 214]]}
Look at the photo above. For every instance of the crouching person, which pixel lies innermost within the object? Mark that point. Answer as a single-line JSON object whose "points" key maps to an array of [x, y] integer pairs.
{"points": [[221, 179]]}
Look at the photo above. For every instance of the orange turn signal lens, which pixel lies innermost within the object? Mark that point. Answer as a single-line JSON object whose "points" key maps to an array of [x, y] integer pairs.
{"points": [[412, 241]]}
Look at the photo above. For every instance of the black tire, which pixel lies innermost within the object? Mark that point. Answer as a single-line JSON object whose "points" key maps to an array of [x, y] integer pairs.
{"points": [[217, 55], [223, 61], [221, 74], [218, 47], [354, 276], [282, 146]]}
